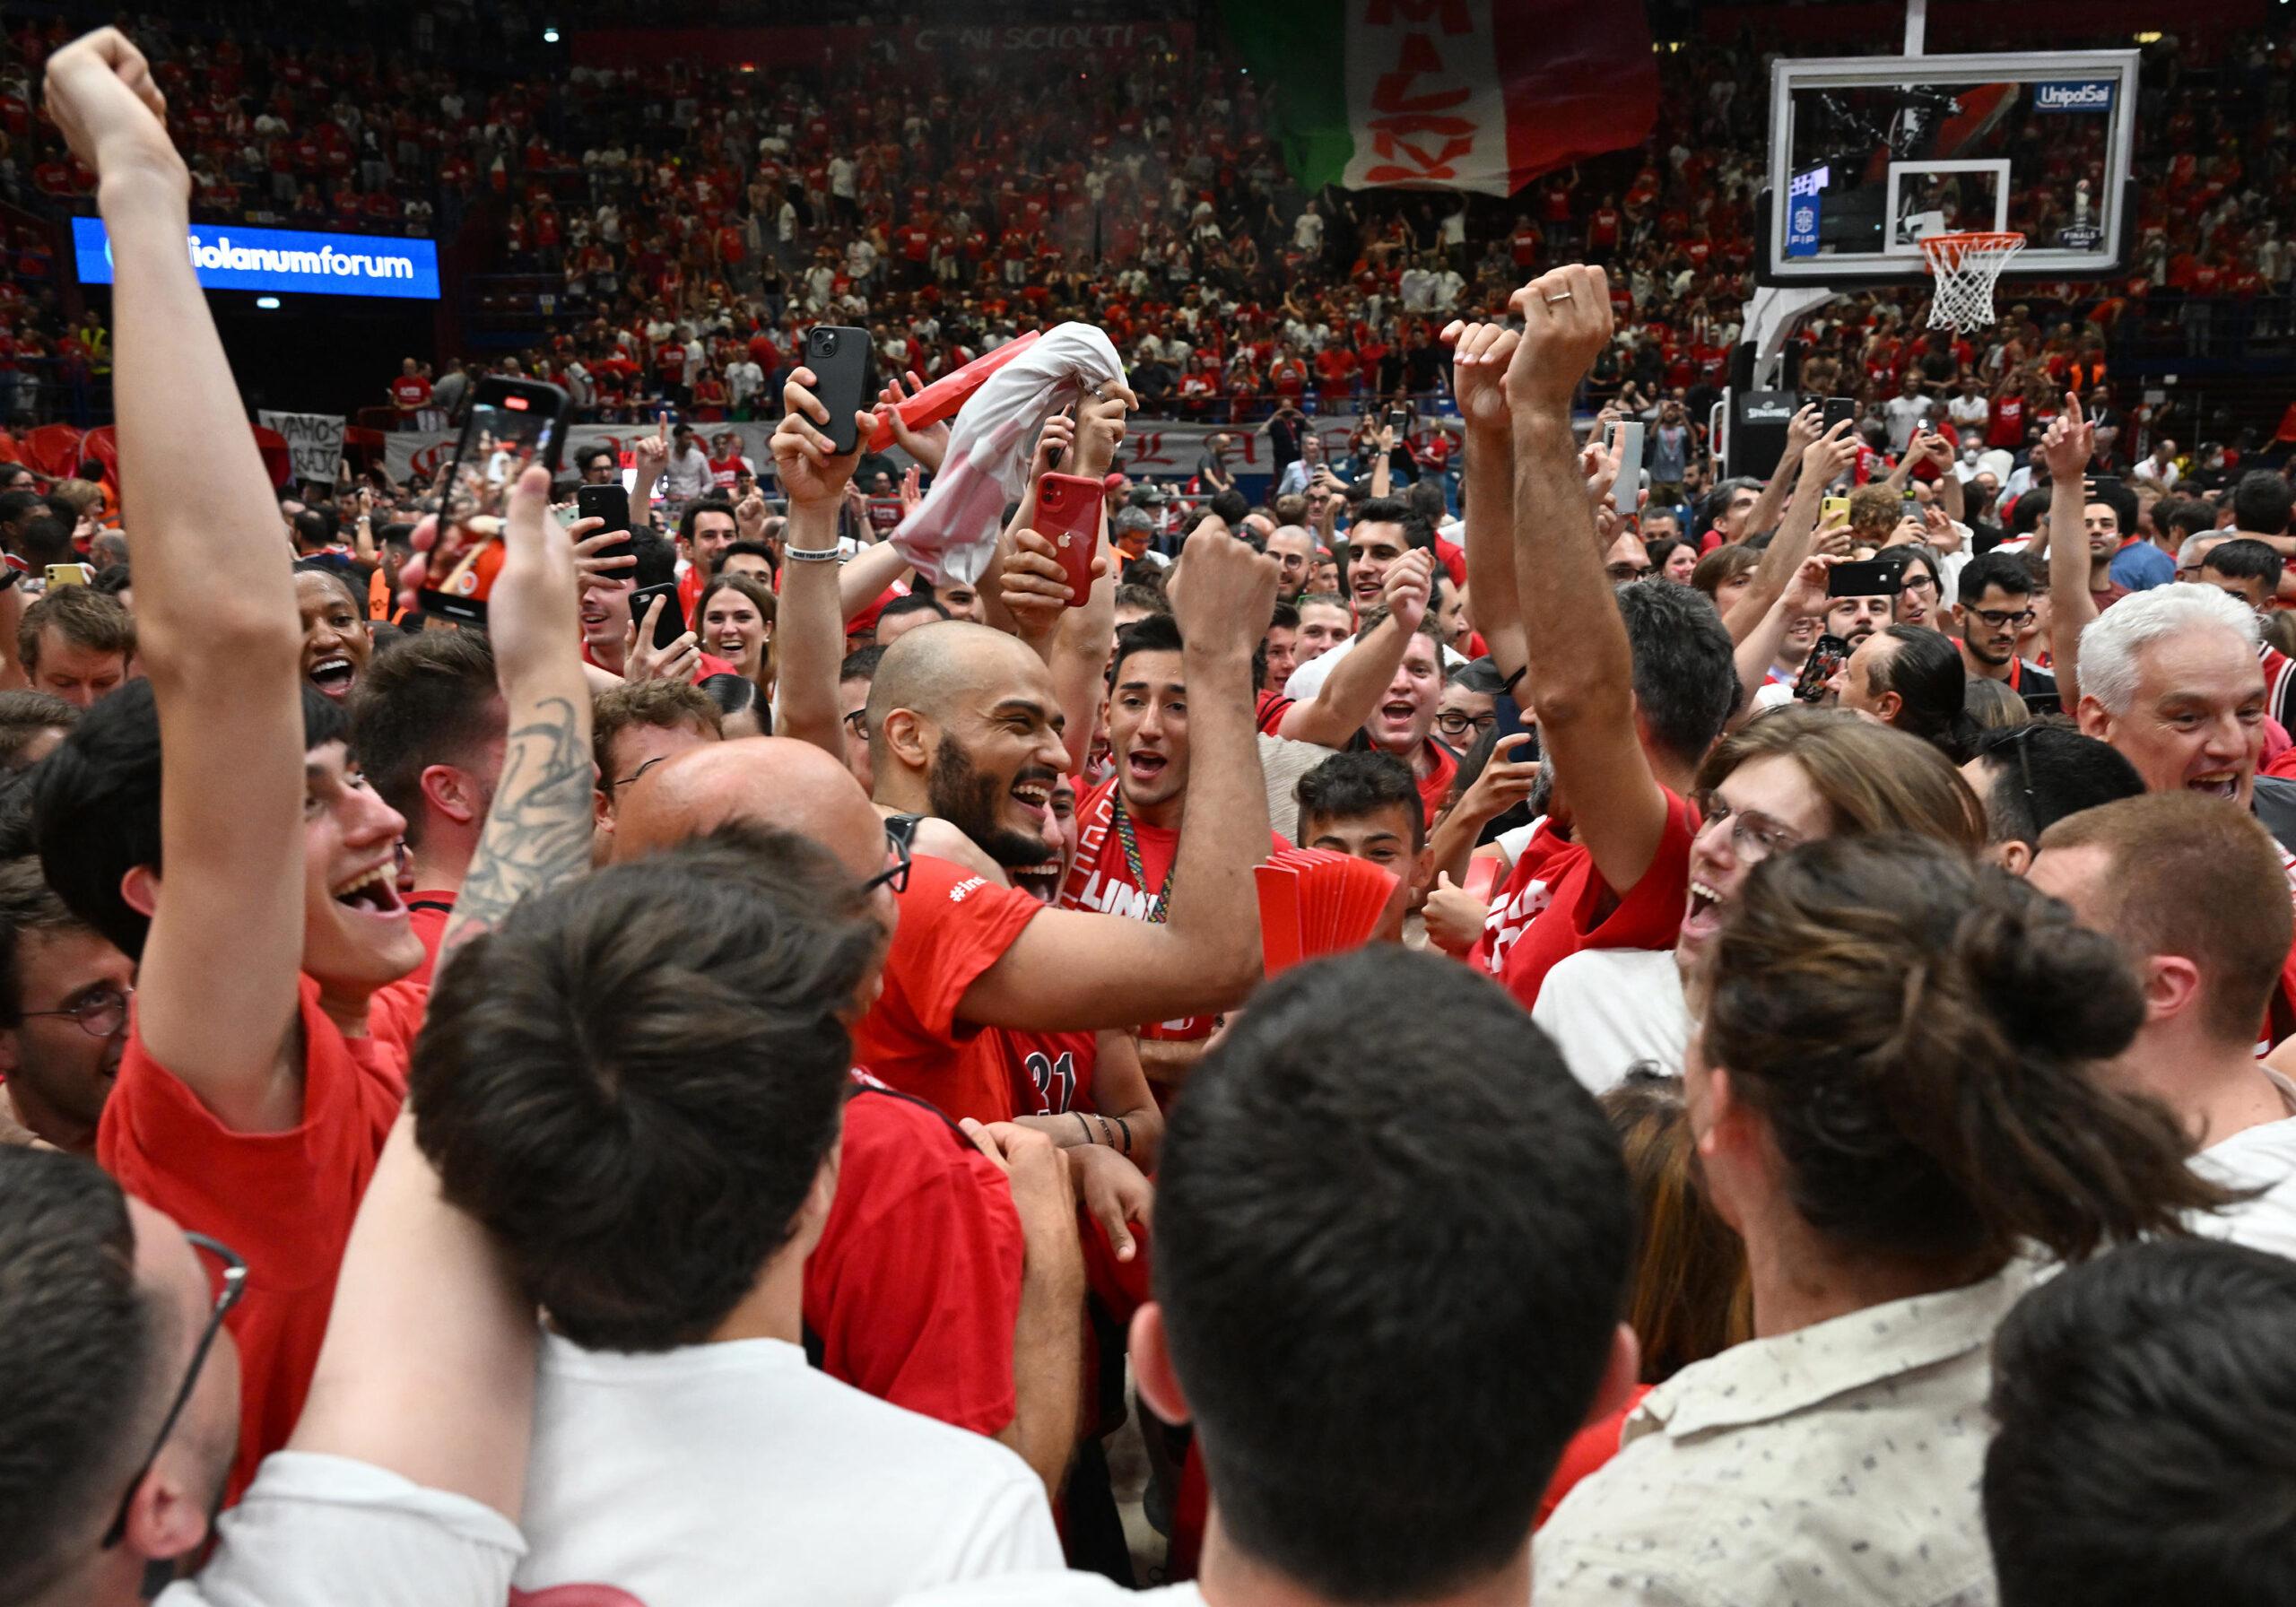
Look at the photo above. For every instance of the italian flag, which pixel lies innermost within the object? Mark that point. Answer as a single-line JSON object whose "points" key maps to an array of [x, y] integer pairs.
{"points": [[1480, 95]]}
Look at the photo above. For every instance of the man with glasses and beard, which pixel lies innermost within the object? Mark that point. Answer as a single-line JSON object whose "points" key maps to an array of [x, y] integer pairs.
{"points": [[1997, 599]]}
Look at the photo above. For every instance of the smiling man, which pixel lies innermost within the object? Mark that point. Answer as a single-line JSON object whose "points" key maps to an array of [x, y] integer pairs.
{"points": [[1374, 543], [2170, 678]]}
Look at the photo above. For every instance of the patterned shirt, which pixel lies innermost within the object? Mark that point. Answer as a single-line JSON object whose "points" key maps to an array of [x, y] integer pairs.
{"points": [[1836, 1463]]}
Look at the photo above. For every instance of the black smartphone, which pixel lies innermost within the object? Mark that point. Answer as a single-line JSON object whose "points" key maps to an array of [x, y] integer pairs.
{"points": [[1839, 410], [2042, 705], [843, 367], [1825, 661], [513, 424], [607, 502], [1876, 578], [672, 624]]}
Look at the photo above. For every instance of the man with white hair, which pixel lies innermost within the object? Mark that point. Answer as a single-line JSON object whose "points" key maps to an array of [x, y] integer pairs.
{"points": [[2170, 678]]}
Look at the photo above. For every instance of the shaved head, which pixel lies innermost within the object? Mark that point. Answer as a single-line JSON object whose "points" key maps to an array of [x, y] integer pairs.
{"points": [[772, 781], [936, 673]]}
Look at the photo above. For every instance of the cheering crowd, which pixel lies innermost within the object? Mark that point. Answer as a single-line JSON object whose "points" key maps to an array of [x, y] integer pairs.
{"points": [[771, 1112]]}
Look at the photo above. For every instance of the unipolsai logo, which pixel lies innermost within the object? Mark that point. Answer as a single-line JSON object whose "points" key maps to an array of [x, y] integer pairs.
{"points": [[2080, 94]]}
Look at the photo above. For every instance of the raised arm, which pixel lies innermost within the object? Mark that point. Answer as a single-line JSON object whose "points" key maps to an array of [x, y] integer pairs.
{"points": [[215, 616], [1822, 460], [2066, 448], [1806, 425], [1581, 678], [537, 830], [1354, 689], [808, 631], [1804, 596], [1071, 969], [1480, 353]]}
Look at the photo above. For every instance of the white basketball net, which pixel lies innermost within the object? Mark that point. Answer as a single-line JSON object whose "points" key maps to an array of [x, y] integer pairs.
{"points": [[1965, 267]]}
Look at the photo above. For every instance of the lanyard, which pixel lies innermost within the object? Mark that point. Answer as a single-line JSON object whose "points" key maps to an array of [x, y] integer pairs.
{"points": [[1131, 843]]}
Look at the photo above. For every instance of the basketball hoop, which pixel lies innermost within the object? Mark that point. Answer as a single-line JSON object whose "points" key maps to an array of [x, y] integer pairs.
{"points": [[1965, 267]]}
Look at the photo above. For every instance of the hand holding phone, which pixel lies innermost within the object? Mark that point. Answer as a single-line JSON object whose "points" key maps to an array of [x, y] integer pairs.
{"points": [[1825, 661], [1068, 515], [609, 503], [513, 423], [842, 361], [1839, 410]]}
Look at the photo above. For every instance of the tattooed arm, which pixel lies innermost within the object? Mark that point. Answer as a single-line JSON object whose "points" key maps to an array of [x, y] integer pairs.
{"points": [[538, 831]]}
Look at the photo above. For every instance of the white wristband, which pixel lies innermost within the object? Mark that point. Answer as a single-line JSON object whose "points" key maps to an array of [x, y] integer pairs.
{"points": [[811, 554]]}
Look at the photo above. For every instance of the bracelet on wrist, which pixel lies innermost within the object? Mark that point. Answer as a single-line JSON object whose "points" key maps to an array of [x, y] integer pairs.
{"points": [[811, 554], [1124, 1127], [1086, 1125]]}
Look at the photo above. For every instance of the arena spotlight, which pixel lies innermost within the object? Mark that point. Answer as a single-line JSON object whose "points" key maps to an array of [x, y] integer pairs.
{"points": [[268, 303], [550, 36]]}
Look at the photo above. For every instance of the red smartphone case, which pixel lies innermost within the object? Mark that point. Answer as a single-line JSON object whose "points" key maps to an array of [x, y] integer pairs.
{"points": [[1068, 515]]}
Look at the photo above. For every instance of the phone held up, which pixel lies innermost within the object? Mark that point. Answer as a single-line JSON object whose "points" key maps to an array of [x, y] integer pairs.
{"points": [[609, 503], [672, 624], [1068, 515], [513, 424], [1874, 578], [1839, 410], [844, 370], [1825, 661]]}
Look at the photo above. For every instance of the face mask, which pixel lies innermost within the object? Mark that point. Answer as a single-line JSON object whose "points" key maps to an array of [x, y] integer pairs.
{"points": [[1969, 454]]}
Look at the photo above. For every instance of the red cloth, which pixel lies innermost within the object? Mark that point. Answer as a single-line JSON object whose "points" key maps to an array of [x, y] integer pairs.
{"points": [[954, 924], [1051, 1072], [1588, 1449], [1269, 709], [284, 1200], [428, 912], [710, 664], [1435, 786], [1101, 881], [915, 1287], [1555, 903]]}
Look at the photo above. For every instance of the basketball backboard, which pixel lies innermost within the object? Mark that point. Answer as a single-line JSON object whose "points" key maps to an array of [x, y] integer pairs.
{"points": [[1868, 154]]}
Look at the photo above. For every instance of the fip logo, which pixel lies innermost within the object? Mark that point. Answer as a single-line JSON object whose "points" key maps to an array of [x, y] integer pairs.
{"points": [[2081, 94]]}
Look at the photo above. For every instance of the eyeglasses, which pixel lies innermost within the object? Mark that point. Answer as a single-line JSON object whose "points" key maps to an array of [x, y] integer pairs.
{"points": [[858, 722], [1998, 617], [1754, 836], [1623, 573], [895, 875], [1456, 722], [1918, 583], [640, 770], [235, 1280], [99, 1014]]}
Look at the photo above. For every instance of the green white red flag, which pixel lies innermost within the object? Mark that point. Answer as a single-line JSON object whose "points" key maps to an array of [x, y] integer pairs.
{"points": [[1477, 95]]}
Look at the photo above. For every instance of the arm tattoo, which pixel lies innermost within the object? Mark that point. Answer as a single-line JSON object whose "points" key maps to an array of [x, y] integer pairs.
{"points": [[538, 831]]}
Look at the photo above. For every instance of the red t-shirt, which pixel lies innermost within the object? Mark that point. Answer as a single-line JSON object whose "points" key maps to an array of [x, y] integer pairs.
{"points": [[1268, 710], [428, 912], [1555, 903], [914, 1289], [410, 391], [954, 924], [284, 1200], [1435, 786], [1102, 882], [1051, 1072]]}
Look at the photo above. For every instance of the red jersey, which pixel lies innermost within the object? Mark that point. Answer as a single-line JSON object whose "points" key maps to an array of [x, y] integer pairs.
{"points": [[428, 914], [410, 391], [1102, 879], [954, 924], [284, 1200], [913, 1292], [1051, 1072], [1555, 903]]}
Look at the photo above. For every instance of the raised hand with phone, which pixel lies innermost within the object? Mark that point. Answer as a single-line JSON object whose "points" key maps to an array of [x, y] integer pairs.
{"points": [[809, 629]]}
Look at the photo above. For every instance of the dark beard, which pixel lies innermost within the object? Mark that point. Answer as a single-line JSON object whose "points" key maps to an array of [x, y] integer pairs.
{"points": [[967, 800]]}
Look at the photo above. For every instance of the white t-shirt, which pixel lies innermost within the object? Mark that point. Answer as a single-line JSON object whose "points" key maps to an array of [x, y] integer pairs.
{"points": [[1052, 1590], [1905, 414], [1308, 681], [732, 1474], [1608, 1009], [316, 1530], [2260, 1157]]}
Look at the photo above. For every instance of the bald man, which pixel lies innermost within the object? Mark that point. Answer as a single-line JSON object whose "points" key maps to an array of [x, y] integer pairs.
{"points": [[965, 728], [937, 1286]]}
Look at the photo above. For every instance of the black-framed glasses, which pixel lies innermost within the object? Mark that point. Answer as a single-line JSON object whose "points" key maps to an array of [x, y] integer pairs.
{"points": [[1998, 617], [640, 770], [895, 875], [1623, 573], [99, 1015], [858, 722], [1457, 722], [235, 1281]]}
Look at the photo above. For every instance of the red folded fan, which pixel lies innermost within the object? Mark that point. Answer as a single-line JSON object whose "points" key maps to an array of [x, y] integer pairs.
{"points": [[946, 397], [1314, 902]]}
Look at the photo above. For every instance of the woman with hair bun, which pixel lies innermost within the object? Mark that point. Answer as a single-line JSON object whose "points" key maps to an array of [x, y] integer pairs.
{"points": [[1894, 1096]]}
